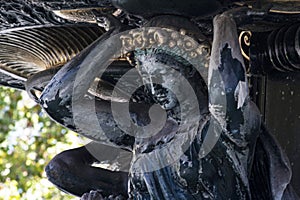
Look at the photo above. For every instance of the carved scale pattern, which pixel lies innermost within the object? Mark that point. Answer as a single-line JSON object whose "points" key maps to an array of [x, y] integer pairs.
{"points": [[20, 13]]}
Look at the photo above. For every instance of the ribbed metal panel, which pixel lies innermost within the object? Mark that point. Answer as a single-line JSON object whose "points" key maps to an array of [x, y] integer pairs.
{"points": [[26, 51]]}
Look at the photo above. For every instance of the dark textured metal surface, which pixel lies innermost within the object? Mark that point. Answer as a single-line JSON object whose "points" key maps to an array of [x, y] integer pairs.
{"points": [[9, 81], [33, 39], [20, 13], [280, 50], [71, 4], [178, 7], [275, 6], [278, 96]]}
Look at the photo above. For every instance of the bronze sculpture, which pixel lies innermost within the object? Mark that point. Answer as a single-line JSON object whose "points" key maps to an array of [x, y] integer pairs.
{"points": [[221, 146]]}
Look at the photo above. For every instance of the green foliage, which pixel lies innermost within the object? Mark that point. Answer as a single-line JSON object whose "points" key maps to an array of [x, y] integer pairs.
{"points": [[28, 141]]}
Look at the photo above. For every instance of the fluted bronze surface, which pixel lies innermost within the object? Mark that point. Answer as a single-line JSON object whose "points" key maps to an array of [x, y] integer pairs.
{"points": [[26, 51]]}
